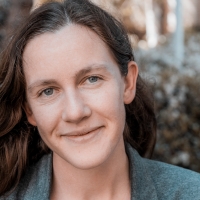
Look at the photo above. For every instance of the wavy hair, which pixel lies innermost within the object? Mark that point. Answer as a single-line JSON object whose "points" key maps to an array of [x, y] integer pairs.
{"points": [[20, 143]]}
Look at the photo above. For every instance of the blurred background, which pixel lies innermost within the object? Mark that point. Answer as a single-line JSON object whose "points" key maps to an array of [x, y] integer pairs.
{"points": [[165, 36]]}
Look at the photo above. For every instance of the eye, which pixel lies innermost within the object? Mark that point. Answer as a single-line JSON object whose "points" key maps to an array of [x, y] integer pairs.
{"points": [[93, 79], [48, 91]]}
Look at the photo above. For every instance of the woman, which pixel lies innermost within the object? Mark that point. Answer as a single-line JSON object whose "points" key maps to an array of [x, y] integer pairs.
{"points": [[75, 112]]}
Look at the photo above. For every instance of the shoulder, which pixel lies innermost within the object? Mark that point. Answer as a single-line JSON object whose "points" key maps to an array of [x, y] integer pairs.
{"points": [[35, 184], [161, 180], [172, 181]]}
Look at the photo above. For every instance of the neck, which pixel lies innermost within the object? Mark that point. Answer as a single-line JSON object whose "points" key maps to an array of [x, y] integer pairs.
{"points": [[110, 180]]}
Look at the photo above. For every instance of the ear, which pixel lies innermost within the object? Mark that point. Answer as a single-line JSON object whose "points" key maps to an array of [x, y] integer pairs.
{"points": [[29, 114], [130, 82]]}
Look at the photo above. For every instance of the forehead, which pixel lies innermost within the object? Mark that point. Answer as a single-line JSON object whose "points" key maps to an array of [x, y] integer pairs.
{"points": [[72, 46]]}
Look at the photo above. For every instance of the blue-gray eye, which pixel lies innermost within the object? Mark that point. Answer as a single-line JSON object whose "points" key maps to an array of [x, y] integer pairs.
{"points": [[48, 91], [93, 79]]}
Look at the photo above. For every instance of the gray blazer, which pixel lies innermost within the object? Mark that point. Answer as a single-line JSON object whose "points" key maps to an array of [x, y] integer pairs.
{"points": [[150, 180]]}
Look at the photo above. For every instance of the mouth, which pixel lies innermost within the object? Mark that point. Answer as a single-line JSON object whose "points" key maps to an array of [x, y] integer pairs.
{"points": [[82, 132], [83, 135]]}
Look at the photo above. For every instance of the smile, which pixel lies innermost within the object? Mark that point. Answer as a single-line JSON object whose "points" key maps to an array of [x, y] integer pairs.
{"points": [[85, 135]]}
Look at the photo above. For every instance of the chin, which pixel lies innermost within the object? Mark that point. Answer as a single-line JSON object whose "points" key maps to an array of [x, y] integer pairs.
{"points": [[89, 155], [90, 160], [85, 158]]}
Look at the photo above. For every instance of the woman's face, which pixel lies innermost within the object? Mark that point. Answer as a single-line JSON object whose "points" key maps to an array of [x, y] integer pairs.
{"points": [[76, 95]]}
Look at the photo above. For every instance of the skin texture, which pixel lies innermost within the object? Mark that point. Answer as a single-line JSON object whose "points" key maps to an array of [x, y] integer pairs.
{"points": [[75, 97]]}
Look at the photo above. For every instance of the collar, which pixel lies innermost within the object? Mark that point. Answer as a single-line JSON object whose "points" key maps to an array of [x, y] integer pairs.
{"points": [[142, 185], [36, 183]]}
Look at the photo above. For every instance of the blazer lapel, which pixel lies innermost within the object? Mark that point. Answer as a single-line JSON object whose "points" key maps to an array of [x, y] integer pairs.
{"points": [[142, 186]]}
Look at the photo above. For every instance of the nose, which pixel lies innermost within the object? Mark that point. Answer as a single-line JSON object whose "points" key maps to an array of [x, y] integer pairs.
{"points": [[75, 108]]}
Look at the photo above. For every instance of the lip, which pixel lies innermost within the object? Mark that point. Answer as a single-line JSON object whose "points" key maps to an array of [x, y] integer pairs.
{"points": [[81, 132], [83, 135]]}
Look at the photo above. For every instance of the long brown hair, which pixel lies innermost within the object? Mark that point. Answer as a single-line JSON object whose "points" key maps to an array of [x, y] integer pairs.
{"points": [[20, 143]]}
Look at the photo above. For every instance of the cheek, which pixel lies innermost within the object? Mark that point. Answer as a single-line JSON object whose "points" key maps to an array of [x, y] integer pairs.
{"points": [[109, 102], [46, 116]]}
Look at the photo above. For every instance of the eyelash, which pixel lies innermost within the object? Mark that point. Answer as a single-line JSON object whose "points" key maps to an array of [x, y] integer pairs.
{"points": [[42, 92], [94, 77]]}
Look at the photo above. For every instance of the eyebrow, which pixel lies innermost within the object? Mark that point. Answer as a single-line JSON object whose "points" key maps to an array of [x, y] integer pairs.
{"points": [[41, 83], [93, 67], [82, 72]]}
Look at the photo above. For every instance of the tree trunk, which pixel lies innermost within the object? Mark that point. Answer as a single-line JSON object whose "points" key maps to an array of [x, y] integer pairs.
{"points": [[165, 9]]}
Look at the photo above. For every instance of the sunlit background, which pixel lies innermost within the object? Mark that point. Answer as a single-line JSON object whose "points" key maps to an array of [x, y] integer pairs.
{"points": [[166, 42]]}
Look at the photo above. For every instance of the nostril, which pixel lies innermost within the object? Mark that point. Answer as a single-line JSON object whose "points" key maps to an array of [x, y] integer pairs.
{"points": [[76, 111]]}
